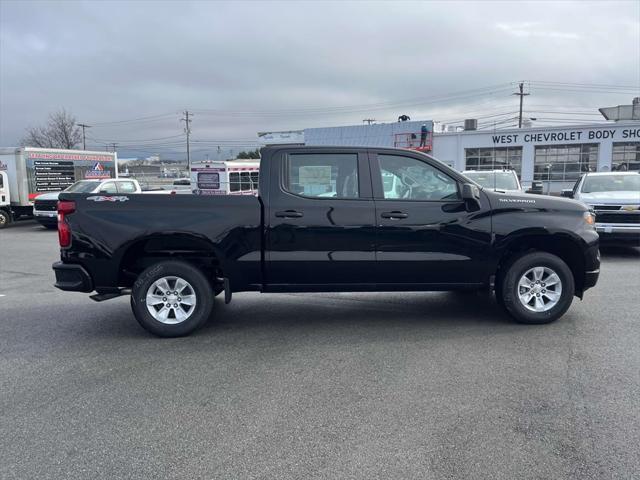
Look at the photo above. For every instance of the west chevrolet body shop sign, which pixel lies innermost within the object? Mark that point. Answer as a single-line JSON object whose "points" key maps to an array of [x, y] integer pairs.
{"points": [[54, 171]]}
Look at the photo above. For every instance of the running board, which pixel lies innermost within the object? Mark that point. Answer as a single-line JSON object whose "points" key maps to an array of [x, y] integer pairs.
{"points": [[101, 297]]}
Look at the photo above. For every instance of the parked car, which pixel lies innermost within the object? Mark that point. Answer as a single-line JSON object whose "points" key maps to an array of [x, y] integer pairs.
{"points": [[615, 198], [45, 206], [435, 231], [498, 180]]}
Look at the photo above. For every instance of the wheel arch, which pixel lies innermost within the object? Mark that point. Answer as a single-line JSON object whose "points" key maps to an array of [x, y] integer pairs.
{"points": [[567, 247], [142, 252]]}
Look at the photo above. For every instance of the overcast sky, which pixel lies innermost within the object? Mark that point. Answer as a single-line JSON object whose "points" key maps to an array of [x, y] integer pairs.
{"points": [[262, 66]]}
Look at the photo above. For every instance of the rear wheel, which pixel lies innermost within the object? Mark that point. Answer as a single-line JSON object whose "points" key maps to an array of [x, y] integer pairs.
{"points": [[171, 299], [537, 288]]}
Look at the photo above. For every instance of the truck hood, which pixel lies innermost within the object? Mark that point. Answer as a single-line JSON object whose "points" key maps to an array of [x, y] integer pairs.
{"points": [[48, 196], [611, 198], [520, 199]]}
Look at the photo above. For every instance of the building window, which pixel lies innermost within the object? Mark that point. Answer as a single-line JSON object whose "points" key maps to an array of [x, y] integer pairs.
{"points": [[494, 159], [626, 156], [563, 163]]}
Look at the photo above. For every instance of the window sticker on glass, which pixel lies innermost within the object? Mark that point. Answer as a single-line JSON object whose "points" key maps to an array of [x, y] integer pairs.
{"points": [[315, 179]]}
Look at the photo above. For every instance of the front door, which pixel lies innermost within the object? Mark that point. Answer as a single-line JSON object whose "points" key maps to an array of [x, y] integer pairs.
{"points": [[320, 217], [425, 235], [4, 189]]}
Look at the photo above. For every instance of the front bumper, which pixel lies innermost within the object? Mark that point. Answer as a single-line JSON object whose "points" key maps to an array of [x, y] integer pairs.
{"points": [[72, 278], [45, 218], [619, 232]]}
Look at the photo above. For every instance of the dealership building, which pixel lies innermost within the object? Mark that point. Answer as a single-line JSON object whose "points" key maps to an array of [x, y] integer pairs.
{"points": [[556, 156]]}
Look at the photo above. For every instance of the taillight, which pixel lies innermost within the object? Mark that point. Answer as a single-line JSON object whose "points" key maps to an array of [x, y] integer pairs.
{"points": [[64, 230]]}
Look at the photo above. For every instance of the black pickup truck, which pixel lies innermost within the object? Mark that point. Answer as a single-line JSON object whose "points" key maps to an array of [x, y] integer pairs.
{"points": [[328, 219]]}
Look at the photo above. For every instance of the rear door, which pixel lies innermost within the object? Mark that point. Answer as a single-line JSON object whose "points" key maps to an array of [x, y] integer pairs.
{"points": [[320, 219], [425, 235]]}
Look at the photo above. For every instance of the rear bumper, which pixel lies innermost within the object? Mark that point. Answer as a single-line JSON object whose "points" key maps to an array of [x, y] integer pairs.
{"points": [[72, 278]]}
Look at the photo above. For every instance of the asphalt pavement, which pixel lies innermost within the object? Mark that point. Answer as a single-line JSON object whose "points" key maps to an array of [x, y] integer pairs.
{"points": [[327, 386]]}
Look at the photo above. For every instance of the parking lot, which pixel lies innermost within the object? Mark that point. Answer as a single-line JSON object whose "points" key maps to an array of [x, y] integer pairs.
{"points": [[393, 385]]}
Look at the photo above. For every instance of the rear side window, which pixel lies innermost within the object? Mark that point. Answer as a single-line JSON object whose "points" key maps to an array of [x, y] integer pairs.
{"points": [[234, 182], [322, 175], [127, 187], [108, 187], [209, 181], [245, 181], [255, 176]]}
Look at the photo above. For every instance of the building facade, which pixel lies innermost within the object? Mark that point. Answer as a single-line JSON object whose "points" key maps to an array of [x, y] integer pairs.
{"points": [[417, 135], [556, 156]]}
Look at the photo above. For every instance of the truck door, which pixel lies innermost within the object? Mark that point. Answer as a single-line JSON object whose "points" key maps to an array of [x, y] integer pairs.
{"points": [[320, 219], [425, 236], [4, 189]]}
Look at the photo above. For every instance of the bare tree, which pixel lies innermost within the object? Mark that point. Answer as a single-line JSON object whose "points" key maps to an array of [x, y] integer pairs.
{"points": [[60, 131]]}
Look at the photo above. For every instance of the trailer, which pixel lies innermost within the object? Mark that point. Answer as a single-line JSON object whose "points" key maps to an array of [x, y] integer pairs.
{"points": [[27, 172], [228, 177]]}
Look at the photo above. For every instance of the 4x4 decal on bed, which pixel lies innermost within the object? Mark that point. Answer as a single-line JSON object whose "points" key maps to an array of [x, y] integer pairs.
{"points": [[103, 198]]}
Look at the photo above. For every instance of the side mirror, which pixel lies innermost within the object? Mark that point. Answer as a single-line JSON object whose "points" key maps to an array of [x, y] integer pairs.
{"points": [[567, 192], [471, 196]]}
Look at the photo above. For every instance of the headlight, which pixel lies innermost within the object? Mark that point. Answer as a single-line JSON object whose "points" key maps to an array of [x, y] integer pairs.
{"points": [[590, 218]]}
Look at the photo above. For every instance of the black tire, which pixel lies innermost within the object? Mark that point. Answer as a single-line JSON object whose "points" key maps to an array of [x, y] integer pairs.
{"points": [[5, 219], [50, 227], [201, 289], [509, 290]]}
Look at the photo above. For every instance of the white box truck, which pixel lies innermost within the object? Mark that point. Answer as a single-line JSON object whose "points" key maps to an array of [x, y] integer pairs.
{"points": [[26, 172]]}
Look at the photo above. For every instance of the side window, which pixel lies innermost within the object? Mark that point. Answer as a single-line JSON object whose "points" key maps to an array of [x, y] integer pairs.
{"points": [[234, 182], [109, 187], [127, 187], [245, 181], [1, 181], [322, 175], [254, 180], [406, 178]]}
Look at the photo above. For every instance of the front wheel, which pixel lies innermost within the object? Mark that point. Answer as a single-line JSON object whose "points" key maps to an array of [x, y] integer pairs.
{"points": [[171, 299], [537, 288], [5, 219]]}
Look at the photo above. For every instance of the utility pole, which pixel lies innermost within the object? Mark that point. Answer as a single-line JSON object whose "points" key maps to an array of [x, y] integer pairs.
{"points": [[187, 130], [369, 120], [521, 94], [84, 144], [113, 145]]}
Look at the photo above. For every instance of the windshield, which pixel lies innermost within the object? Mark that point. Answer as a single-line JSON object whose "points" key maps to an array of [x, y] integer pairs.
{"points": [[495, 180], [611, 183], [82, 186]]}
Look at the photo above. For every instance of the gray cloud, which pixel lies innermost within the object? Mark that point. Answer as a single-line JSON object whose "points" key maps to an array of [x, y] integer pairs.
{"points": [[111, 61]]}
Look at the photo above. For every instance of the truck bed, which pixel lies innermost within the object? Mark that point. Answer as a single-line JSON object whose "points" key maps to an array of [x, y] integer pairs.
{"points": [[111, 230]]}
